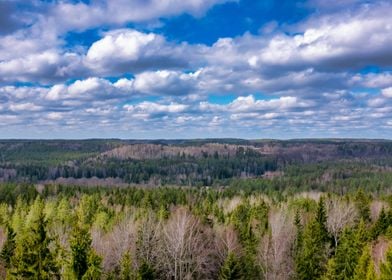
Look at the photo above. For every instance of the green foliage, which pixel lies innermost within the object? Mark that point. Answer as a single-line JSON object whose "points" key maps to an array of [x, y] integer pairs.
{"points": [[50, 237], [80, 243], [231, 268], [365, 267], [32, 256], [126, 269], [94, 270], [362, 201], [321, 219], [8, 247], [382, 224], [145, 272], [299, 233], [348, 253], [10, 192], [250, 221], [312, 256]]}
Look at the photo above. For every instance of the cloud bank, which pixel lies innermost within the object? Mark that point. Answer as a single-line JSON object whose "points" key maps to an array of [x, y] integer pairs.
{"points": [[327, 75]]}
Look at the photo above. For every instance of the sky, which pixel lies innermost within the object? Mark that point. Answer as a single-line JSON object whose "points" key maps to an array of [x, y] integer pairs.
{"points": [[195, 69]]}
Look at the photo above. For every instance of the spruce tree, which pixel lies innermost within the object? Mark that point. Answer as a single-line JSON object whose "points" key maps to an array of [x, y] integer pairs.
{"points": [[321, 219], [311, 259], [146, 272], [126, 271], [386, 267], [8, 248], [312, 255], [381, 225], [299, 237], [330, 273], [348, 253], [94, 270], [32, 258], [80, 243], [365, 267], [231, 268], [362, 202]]}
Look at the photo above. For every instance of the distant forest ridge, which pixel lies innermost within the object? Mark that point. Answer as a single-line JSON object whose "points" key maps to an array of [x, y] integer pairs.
{"points": [[180, 162]]}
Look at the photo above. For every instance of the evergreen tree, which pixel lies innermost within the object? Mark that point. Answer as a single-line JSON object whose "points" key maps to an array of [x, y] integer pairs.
{"points": [[321, 219], [80, 243], [311, 259], [330, 273], [365, 267], [126, 271], [381, 225], [94, 269], [299, 237], [33, 258], [347, 254], [231, 268], [362, 202], [145, 272], [9, 247]]}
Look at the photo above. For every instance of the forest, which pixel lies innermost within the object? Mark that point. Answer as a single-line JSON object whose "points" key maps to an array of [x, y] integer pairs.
{"points": [[209, 162], [315, 209]]}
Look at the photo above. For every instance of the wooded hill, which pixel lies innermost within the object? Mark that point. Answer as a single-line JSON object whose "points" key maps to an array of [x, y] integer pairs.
{"points": [[178, 162]]}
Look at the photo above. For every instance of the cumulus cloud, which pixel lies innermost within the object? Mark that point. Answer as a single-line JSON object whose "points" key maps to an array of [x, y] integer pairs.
{"points": [[334, 44], [80, 16], [387, 92], [311, 76], [129, 51], [44, 67], [146, 109]]}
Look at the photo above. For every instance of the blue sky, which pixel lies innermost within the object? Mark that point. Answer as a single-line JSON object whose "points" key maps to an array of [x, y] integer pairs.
{"points": [[195, 69]]}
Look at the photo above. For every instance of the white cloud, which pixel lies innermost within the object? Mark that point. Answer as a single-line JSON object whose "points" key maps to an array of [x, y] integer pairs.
{"points": [[24, 107], [81, 87], [335, 44], [249, 104], [81, 16], [128, 51], [123, 44], [305, 74], [154, 108], [387, 92], [165, 82]]}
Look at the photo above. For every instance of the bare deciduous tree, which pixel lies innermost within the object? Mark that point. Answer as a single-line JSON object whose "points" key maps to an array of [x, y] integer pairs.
{"points": [[379, 250], [375, 209], [226, 242], [340, 214], [274, 253], [112, 246], [186, 247], [147, 239]]}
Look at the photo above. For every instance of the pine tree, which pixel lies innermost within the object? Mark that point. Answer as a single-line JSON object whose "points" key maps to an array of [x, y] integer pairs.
{"points": [[330, 273], [348, 253], [231, 268], [145, 272], [94, 269], [365, 267], [362, 203], [311, 259], [299, 237], [80, 243], [321, 218], [381, 225], [32, 258], [126, 271], [9, 247]]}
